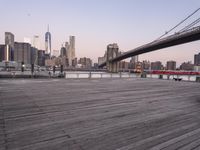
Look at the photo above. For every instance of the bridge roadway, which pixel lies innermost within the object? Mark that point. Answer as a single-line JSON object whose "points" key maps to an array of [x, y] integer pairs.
{"points": [[117, 114]]}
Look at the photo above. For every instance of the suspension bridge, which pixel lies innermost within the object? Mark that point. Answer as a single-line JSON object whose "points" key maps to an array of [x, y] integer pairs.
{"points": [[187, 34]]}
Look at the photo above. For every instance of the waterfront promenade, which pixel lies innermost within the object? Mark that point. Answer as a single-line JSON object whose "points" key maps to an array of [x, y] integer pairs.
{"points": [[99, 114]]}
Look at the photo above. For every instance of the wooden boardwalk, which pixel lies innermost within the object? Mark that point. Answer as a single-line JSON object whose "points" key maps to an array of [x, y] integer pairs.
{"points": [[103, 114]]}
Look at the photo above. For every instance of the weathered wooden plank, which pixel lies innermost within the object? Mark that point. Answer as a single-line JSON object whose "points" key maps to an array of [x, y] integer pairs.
{"points": [[100, 114], [192, 145]]}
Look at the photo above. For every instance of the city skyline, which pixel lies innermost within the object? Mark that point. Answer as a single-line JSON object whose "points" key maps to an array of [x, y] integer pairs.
{"points": [[97, 24]]}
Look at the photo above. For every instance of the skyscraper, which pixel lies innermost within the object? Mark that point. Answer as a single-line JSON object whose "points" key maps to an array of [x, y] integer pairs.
{"points": [[2, 51], [48, 42], [85, 62], [71, 51], [67, 49], [41, 58], [187, 66], [156, 65], [9, 39], [36, 41], [9, 42], [22, 52], [34, 55], [63, 52], [197, 59], [72, 46], [171, 65]]}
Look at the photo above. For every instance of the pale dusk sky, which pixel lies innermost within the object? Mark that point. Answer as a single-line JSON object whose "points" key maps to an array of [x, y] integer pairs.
{"points": [[97, 23]]}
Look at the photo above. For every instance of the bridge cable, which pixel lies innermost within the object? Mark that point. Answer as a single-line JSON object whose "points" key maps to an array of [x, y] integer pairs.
{"points": [[190, 25], [179, 23]]}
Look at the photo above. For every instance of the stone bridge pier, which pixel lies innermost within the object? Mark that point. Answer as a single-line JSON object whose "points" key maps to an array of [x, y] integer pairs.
{"points": [[112, 52]]}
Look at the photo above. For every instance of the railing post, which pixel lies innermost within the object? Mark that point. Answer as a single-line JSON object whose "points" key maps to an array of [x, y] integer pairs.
{"points": [[188, 77], [168, 77], [90, 75]]}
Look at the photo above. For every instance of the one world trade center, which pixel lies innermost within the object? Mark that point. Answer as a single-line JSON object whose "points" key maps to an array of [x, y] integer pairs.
{"points": [[48, 42]]}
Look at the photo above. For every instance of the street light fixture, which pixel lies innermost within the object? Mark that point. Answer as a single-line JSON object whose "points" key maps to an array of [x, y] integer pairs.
{"points": [[22, 67]]}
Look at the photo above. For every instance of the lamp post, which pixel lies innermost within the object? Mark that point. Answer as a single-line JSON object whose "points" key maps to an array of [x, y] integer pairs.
{"points": [[32, 69], [22, 67], [6, 65]]}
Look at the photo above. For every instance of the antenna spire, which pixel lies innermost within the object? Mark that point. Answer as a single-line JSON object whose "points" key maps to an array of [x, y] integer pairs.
{"points": [[48, 28]]}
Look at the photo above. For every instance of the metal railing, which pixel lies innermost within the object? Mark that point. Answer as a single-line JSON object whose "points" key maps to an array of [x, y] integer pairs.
{"points": [[90, 75]]}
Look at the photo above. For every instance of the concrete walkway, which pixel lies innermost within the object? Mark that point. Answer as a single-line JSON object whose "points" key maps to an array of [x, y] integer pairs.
{"points": [[103, 114]]}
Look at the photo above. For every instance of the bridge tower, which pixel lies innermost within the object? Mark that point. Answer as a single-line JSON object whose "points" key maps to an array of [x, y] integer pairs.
{"points": [[112, 52]]}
